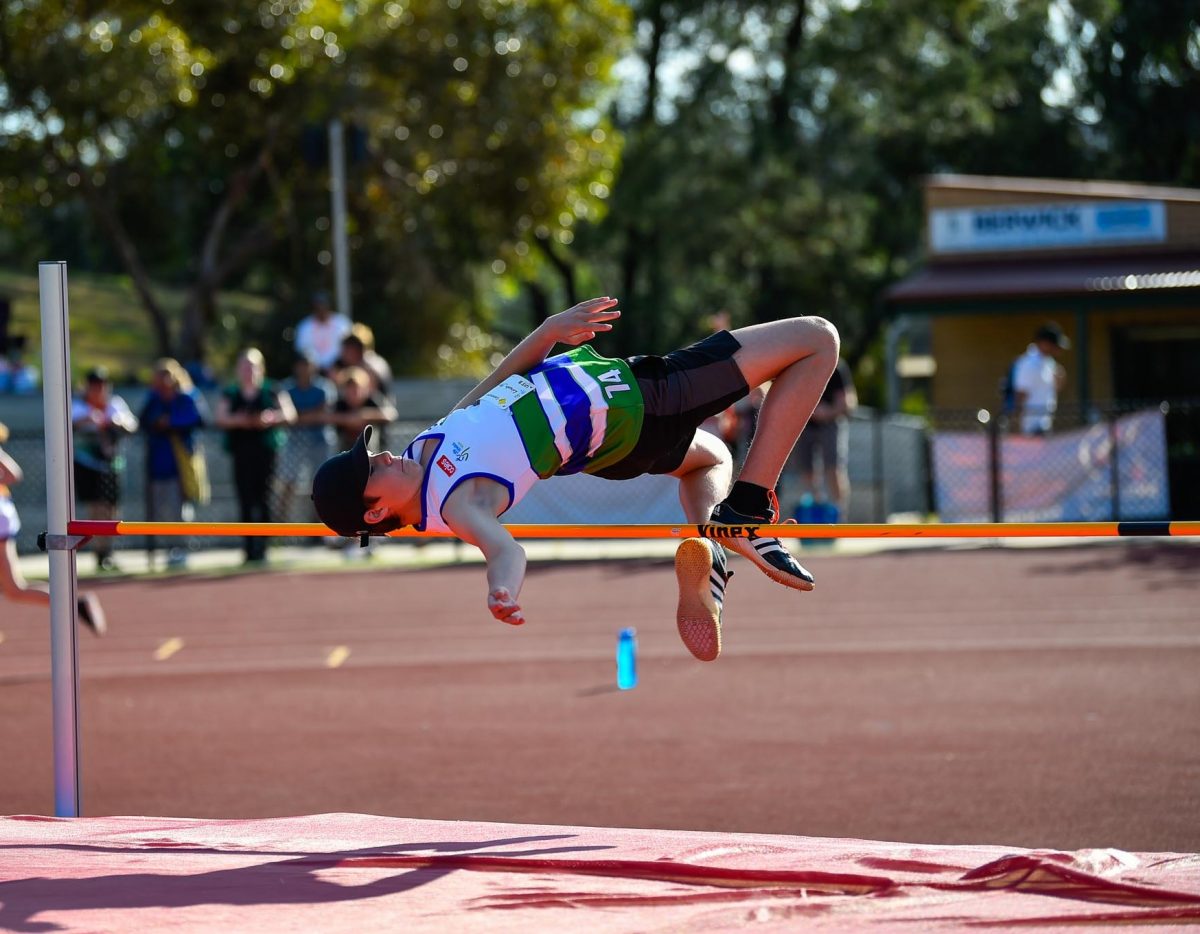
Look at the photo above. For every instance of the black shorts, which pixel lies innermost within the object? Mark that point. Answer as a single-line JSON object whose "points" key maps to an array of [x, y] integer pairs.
{"points": [[97, 486], [680, 390]]}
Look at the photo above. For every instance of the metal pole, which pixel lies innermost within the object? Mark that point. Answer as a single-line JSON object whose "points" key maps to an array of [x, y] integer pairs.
{"points": [[995, 477], [1114, 454], [337, 194], [60, 505], [880, 467], [895, 328]]}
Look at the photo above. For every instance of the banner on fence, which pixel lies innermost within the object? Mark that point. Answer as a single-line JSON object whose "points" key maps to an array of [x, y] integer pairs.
{"points": [[1066, 477]]}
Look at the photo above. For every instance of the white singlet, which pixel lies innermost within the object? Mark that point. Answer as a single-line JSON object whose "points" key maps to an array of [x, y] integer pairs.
{"points": [[481, 440]]}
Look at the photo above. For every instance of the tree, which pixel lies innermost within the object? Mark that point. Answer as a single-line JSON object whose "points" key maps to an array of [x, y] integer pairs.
{"points": [[179, 126], [775, 150]]}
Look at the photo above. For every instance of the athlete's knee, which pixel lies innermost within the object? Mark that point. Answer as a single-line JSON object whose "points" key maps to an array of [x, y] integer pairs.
{"points": [[821, 335], [812, 334], [704, 453]]}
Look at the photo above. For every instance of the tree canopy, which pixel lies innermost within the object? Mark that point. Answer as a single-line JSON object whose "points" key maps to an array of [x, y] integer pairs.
{"points": [[688, 156]]}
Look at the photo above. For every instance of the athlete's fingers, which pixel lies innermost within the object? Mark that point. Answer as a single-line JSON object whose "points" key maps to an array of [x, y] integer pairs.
{"points": [[504, 607]]}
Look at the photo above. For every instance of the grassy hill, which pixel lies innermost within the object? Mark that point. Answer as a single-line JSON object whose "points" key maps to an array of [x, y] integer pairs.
{"points": [[110, 327]]}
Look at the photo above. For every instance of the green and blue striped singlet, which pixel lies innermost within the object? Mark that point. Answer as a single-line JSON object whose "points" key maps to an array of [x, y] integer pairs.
{"points": [[584, 415]]}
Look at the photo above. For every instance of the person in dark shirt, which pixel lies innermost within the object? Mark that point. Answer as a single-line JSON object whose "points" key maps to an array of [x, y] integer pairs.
{"points": [[253, 412], [359, 405]]}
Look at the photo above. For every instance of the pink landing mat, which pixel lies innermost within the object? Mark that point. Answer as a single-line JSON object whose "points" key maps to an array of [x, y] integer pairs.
{"points": [[353, 872]]}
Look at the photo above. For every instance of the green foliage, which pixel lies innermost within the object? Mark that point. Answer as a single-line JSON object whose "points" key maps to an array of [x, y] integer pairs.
{"points": [[762, 159], [108, 327], [175, 132]]}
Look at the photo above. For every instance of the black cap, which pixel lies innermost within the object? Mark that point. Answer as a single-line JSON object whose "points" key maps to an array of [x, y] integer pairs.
{"points": [[338, 487], [96, 374], [1054, 334]]}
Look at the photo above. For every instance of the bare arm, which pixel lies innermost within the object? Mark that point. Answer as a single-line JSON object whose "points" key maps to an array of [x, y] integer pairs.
{"points": [[573, 326], [471, 514]]}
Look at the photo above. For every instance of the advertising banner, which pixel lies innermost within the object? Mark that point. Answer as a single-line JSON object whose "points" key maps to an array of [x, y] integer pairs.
{"points": [[1027, 226]]}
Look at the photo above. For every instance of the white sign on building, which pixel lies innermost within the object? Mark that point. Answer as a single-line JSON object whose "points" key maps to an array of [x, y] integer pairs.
{"points": [[1025, 226]]}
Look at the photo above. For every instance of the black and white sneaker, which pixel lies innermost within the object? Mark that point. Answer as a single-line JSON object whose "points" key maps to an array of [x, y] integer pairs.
{"points": [[700, 568], [767, 552]]}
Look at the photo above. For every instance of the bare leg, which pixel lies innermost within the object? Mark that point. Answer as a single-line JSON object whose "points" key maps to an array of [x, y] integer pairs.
{"points": [[704, 476], [14, 585], [799, 354]]}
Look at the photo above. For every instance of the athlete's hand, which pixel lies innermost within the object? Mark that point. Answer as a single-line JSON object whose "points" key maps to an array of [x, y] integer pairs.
{"points": [[583, 322], [504, 607]]}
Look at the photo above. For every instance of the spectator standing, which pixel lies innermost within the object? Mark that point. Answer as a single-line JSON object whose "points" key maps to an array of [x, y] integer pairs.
{"points": [[320, 334], [358, 349], [176, 473], [253, 412], [1037, 379], [826, 438], [13, 584], [311, 439], [358, 406], [101, 420]]}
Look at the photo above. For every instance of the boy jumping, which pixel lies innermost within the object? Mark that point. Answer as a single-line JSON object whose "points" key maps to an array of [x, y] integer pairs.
{"points": [[538, 415]]}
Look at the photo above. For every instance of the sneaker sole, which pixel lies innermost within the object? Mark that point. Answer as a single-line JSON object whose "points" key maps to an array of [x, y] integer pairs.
{"points": [[743, 548], [697, 618]]}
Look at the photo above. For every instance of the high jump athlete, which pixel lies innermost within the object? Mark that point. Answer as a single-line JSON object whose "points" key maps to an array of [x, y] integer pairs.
{"points": [[538, 415]]}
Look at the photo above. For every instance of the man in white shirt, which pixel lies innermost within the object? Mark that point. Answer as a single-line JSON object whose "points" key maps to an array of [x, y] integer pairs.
{"points": [[319, 336], [1037, 379]]}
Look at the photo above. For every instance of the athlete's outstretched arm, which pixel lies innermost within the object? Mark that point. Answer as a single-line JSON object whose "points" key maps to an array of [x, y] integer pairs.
{"points": [[470, 512], [573, 326]]}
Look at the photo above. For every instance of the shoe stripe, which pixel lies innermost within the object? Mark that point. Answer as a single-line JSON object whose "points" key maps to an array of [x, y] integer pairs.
{"points": [[717, 585]]}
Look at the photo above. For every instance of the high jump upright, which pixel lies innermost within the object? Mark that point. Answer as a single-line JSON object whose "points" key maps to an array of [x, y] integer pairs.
{"points": [[60, 510]]}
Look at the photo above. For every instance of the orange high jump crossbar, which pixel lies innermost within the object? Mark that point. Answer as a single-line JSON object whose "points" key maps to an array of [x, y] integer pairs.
{"points": [[683, 530]]}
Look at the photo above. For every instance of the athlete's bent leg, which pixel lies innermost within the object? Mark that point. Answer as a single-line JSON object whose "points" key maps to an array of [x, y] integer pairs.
{"points": [[799, 355]]}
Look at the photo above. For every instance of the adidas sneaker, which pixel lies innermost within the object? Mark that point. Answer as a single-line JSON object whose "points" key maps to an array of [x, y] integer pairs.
{"points": [[700, 568], [767, 552]]}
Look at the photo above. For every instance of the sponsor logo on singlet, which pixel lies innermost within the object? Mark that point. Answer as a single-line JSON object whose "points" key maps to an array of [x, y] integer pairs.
{"points": [[461, 451], [447, 468]]}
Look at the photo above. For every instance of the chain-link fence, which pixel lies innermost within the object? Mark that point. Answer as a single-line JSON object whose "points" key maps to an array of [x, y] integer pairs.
{"points": [[1125, 461]]}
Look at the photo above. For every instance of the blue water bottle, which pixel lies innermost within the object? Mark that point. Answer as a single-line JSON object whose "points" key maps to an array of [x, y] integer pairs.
{"points": [[627, 659]]}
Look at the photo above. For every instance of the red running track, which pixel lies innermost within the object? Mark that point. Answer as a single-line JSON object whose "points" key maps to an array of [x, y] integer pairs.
{"points": [[1023, 697]]}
